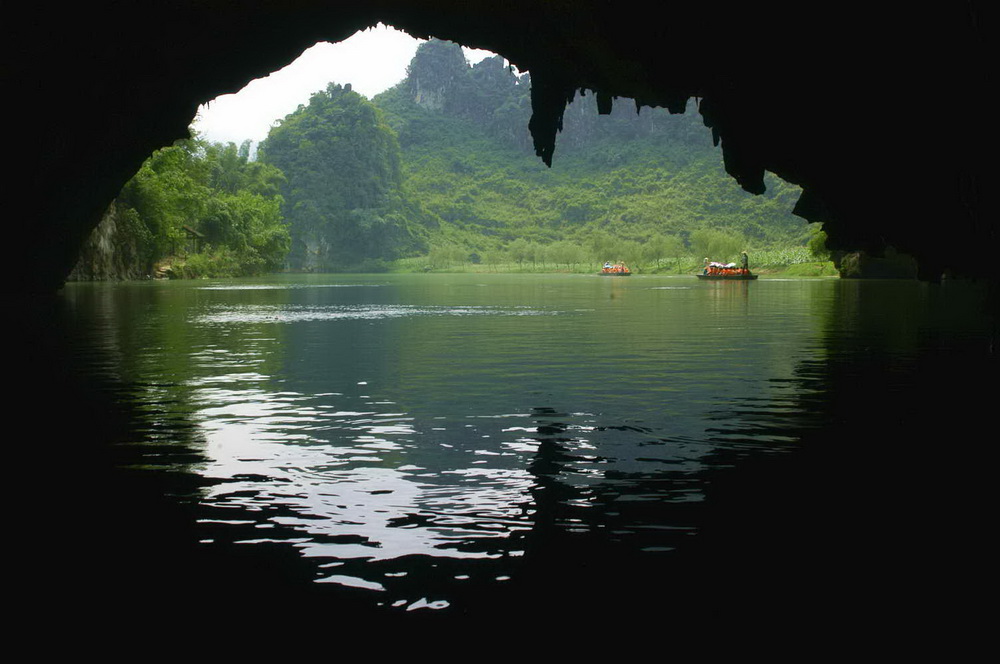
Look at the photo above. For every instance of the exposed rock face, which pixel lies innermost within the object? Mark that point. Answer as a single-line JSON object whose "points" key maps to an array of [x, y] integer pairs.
{"points": [[430, 98], [436, 76], [860, 265], [841, 99], [111, 252]]}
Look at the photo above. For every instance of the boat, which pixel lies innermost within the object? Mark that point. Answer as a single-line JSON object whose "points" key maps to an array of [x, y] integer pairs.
{"points": [[738, 275], [618, 270], [726, 271]]}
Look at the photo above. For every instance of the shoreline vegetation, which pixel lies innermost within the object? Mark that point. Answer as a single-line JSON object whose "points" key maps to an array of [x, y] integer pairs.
{"points": [[799, 262], [795, 262], [818, 269], [813, 270], [419, 265], [520, 257], [221, 263]]}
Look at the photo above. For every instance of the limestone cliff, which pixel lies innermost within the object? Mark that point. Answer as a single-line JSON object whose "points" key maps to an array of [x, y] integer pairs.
{"points": [[112, 251]]}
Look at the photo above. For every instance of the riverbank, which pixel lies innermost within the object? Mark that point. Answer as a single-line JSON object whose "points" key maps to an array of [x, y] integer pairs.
{"points": [[418, 265]]}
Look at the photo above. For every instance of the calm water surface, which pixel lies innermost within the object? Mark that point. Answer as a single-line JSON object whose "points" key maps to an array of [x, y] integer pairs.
{"points": [[443, 445]]}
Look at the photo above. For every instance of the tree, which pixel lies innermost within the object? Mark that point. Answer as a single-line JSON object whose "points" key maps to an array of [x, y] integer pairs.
{"points": [[168, 192], [520, 251], [345, 198], [214, 190], [660, 247], [716, 245], [817, 243]]}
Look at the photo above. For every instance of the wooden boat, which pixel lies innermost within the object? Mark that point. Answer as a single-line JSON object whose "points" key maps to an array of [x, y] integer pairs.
{"points": [[619, 270], [727, 271], [728, 277]]}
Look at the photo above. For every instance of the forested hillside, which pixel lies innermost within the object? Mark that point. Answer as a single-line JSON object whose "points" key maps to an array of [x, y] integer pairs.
{"points": [[344, 195]]}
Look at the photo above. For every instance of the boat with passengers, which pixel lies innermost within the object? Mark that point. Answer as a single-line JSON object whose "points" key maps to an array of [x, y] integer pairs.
{"points": [[616, 270], [727, 271]]}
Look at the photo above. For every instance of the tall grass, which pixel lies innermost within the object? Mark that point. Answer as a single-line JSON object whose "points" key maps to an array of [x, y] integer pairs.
{"points": [[781, 257]]}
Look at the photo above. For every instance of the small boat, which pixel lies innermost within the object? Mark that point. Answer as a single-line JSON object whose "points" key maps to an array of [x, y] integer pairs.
{"points": [[742, 276], [618, 270], [726, 271]]}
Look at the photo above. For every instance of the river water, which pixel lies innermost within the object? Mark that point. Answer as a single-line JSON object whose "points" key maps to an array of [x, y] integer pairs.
{"points": [[431, 446]]}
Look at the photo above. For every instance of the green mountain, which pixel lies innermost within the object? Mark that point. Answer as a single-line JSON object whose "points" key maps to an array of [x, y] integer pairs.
{"points": [[343, 193]]}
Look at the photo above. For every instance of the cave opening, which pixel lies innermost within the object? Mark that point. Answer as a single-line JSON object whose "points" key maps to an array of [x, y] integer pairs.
{"points": [[377, 61], [892, 394], [871, 186]]}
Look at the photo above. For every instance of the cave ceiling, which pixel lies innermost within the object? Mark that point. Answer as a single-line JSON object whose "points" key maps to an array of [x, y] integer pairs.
{"points": [[876, 112]]}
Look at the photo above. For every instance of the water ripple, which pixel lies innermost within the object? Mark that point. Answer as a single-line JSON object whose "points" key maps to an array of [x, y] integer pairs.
{"points": [[302, 313]]}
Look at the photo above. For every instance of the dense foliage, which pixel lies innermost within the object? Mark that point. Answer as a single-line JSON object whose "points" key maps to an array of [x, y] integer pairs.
{"points": [[206, 209], [344, 194]]}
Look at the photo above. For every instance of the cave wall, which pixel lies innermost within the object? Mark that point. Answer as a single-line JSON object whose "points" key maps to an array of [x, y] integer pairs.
{"points": [[877, 112], [111, 252]]}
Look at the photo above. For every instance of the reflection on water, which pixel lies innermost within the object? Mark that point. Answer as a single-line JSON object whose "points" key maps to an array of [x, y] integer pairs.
{"points": [[469, 443]]}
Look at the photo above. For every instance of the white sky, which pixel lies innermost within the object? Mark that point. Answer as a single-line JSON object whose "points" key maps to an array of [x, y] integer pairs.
{"points": [[371, 61]]}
